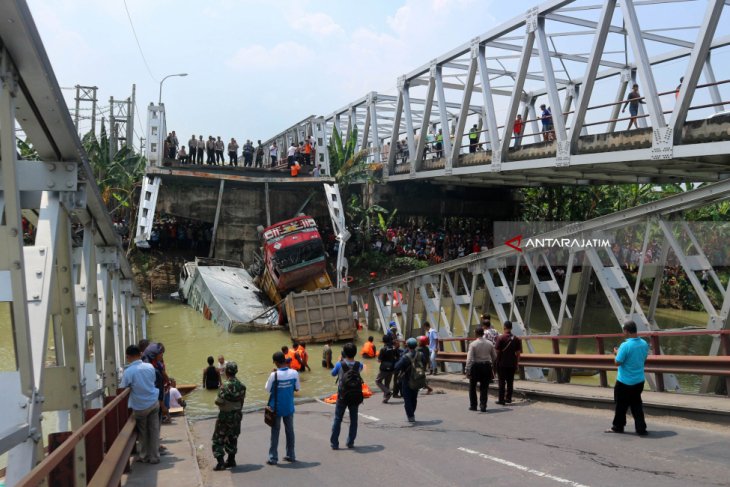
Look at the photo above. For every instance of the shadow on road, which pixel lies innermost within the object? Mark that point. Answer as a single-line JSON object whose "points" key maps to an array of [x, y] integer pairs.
{"points": [[431, 422], [249, 467], [299, 465], [368, 448], [655, 435]]}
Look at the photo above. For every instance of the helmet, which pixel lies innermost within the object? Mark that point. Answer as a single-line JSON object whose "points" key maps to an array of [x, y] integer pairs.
{"points": [[422, 340], [412, 343], [392, 324], [231, 368]]}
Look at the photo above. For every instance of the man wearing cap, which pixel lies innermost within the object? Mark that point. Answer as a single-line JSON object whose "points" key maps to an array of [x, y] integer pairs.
{"points": [[404, 365], [228, 425], [387, 358]]}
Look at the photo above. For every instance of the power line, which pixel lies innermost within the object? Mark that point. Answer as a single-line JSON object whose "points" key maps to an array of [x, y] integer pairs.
{"points": [[131, 24]]}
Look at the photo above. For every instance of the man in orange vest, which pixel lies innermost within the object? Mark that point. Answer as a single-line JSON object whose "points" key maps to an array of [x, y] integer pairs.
{"points": [[294, 170], [301, 349], [292, 358], [368, 349]]}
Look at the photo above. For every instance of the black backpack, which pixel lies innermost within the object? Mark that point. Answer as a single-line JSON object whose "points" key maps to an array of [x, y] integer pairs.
{"points": [[350, 384], [417, 378]]}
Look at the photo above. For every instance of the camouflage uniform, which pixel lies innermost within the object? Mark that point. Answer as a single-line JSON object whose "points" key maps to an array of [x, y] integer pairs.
{"points": [[228, 424]]}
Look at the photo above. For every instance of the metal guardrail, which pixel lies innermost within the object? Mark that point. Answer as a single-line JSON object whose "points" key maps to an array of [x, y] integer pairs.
{"points": [[109, 435], [655, 363]]}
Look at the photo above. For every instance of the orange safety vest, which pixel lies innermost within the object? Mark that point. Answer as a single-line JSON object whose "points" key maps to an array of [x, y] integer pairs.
{"points": [[303, 354], [294, 364], [368, 350], [295, 170]]}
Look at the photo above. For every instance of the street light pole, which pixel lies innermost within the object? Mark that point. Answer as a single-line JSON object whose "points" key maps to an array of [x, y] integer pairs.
{"points": [[159, 101]]}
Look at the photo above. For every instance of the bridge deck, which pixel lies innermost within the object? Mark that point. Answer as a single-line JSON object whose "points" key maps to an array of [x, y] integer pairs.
{"points": [[237, 174], [522, 444]]}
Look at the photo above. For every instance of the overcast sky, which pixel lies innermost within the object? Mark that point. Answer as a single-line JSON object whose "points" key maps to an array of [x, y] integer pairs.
{"points": [[258, 66]]}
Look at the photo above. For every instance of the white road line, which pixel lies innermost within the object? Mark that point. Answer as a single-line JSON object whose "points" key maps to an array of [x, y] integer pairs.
{"points": [[523, 468], [371, 418]]}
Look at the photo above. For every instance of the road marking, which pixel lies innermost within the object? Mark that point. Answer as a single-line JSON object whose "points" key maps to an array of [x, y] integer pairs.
{"points": [[522, 468], [371, 418]]}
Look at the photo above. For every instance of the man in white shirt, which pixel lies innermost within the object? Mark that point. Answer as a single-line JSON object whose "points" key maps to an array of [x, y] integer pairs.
{"points": [[176, 400], [274, 154], [290, 154]]}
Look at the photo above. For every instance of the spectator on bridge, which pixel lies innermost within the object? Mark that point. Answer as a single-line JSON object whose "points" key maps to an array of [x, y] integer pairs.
{"points": [[317, 171], [200, 148], [473, 139], [281, 386], [233, 152], [273, 153], [387, 358], [192, 148], [248, 151], [140, 378], [519, 126], [546, 117], [291, 154], [479, 360], [630, 358], [633, 100], [219, 147], [509, 349], [294, 169], [385, 153], [307, 151], [228, 425], [679, 86], [489, 333], [439, 144], [210, 149], [433, 344], [172, 144], [182, 156], [260, 155], [349, 395], [409, 389]]}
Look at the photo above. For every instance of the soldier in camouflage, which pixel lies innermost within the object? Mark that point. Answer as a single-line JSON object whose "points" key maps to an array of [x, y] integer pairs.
{"points": [[228, 425]]}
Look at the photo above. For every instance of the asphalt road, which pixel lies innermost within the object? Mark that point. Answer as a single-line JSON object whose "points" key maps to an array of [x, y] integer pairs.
{"points": [[523, 444]]}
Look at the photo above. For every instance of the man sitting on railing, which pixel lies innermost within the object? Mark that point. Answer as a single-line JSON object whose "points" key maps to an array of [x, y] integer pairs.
{"points": [[143, 400]]}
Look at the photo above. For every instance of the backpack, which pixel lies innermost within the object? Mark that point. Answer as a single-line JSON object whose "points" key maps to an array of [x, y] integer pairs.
{"points": [[417, 379], [350, 384]]}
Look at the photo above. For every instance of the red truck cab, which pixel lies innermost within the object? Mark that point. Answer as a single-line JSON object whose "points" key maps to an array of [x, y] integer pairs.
{"points": [[293, 252]]}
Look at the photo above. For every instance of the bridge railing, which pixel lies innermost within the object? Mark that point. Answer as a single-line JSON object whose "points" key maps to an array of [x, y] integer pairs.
{"points": [[602, 362], [109, 436]]}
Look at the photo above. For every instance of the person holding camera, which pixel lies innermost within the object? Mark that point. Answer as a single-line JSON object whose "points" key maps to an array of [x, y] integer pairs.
{"points": [[630, 358]]}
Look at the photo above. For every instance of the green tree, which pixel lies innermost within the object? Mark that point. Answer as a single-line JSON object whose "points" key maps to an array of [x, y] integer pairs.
{"points": [[118, 175], [26, 150]]}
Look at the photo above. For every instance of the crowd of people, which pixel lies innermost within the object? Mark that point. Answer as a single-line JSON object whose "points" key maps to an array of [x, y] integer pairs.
{"points": [[171, 233], [432, 243], [213, 151], [404, 363]]}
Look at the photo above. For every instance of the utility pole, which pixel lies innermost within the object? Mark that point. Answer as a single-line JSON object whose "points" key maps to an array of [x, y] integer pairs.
{"points": [[112, 129], [85, 94], [130, 117]]}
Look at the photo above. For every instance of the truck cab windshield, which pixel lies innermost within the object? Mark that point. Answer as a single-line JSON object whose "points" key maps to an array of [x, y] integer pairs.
{"points": [[299, 254]]}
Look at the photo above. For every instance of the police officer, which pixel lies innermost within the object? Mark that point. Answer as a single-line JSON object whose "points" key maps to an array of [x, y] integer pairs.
{"points": [[228, 425]]}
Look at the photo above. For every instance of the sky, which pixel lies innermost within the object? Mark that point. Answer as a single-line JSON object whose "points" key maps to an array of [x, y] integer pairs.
{"points": [[256, 67]]}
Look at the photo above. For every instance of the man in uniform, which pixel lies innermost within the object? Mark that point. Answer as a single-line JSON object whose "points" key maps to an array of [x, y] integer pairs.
{"points": [[479, 360], [228, 425]]}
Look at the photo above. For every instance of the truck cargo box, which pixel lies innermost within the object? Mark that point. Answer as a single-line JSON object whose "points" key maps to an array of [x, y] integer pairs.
{"points": [[318, 316]]}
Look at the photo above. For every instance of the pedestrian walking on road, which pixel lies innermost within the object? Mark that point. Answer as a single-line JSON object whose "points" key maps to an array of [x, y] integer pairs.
{"points": [[349, 395], [479, 360], [228, 425], [630, 358], [412, 366], [387, 358], [286, 382], [144, 402], [509, 349]]}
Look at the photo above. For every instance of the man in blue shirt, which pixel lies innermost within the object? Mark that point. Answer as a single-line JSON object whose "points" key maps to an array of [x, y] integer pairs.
{"points": [[630, 358], [282, 384], [143, 400], [347, 397]]}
